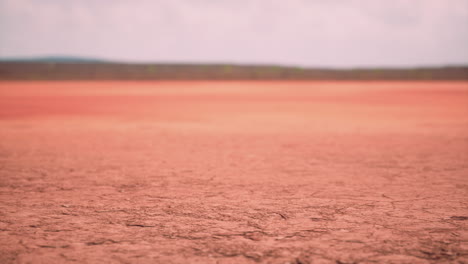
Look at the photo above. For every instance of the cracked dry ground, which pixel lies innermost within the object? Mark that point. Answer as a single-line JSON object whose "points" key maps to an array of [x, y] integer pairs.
{"points": [[233, 172]]}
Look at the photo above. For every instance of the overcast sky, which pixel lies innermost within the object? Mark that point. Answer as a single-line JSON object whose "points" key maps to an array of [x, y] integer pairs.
{"points": [[332, 33]]}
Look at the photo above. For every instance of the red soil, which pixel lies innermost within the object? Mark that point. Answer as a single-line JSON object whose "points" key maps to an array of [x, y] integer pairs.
{"points": [[233, 172]]}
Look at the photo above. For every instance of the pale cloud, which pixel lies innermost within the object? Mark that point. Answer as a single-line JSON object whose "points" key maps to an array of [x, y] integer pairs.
{"points": [[335, 33]]}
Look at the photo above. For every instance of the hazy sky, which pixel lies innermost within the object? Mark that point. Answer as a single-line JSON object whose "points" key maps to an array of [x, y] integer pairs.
{"points": [[336, 33]]}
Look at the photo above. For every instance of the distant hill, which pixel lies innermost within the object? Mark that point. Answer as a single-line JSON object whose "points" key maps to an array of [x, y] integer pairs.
{"points": [[76, 68]]}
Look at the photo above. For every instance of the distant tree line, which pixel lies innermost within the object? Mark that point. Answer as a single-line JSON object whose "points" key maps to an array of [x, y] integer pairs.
{"points": [[120, 71]]}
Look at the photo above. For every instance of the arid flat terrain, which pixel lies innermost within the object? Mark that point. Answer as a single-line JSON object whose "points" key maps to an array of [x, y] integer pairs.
{"points": [[234, 172]]}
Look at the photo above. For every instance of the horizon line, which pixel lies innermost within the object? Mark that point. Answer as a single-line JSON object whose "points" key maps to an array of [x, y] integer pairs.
{"points": [[88, 59]]}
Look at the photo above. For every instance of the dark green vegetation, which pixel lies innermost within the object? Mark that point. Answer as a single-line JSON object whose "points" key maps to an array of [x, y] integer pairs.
{"points": [[89, 70]]}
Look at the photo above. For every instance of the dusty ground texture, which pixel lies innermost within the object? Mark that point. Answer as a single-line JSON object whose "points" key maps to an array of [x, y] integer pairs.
{"points": [[233, 172]]}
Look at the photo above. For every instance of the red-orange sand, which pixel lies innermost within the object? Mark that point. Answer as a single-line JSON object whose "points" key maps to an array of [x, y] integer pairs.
{"points": [[233, 172]]}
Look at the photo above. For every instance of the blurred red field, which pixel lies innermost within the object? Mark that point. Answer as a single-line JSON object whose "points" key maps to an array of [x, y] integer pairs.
{"points": [[233, 172]]}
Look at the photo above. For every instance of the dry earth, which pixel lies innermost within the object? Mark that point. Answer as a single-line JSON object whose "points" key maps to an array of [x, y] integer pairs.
{"points": [[233, 172]]}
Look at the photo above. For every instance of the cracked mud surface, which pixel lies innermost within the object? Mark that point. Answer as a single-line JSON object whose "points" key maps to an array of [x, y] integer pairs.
{"points": [[233, 172]]}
